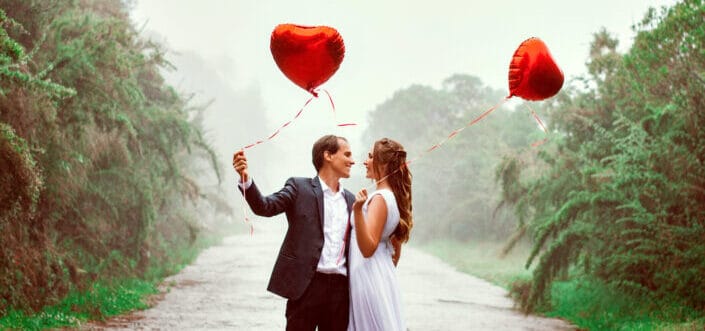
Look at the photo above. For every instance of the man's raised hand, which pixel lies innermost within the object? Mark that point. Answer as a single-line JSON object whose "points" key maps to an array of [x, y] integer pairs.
{"points": [[240, 165]]}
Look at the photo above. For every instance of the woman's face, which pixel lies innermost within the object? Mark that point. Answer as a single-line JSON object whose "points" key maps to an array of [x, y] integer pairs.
{"points": [[370, 166]]}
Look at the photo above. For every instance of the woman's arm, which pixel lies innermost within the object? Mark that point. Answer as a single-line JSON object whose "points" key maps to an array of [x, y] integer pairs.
{"points": [[369, 230]]}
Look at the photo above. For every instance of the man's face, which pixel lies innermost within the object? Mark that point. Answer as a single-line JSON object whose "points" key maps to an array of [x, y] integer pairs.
{"points": [[342, 161]]}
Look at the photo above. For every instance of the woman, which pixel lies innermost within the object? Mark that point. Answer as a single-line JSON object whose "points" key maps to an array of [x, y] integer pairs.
{"points": [[381, 222]]}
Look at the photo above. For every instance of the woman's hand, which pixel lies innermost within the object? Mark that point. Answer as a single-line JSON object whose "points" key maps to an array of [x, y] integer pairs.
{"points": [[360, 199], [368, 228]]}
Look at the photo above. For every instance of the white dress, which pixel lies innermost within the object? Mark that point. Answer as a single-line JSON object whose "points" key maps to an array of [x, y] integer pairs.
{"points": [[375, 302]]}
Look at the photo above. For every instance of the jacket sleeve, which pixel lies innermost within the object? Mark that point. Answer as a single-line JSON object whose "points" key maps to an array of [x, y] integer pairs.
{"points": [[273, 204]]}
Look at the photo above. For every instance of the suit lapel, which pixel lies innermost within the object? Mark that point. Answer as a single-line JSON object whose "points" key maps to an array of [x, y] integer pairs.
{"points": [[318, 193], [350, 199]]}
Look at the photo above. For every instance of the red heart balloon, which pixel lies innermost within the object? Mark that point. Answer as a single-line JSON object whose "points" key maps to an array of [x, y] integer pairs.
{"points": [[307, 55], [533, 74]]}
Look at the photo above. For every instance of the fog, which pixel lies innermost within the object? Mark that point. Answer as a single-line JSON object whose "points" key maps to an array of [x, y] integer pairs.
{"points": [[221, 49]]}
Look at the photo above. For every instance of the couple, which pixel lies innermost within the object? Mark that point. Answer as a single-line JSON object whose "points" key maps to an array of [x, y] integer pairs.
{"points": [[336, 264]]}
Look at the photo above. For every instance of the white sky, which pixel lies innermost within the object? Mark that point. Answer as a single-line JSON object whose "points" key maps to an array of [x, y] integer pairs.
{"points": [[390, 44]]}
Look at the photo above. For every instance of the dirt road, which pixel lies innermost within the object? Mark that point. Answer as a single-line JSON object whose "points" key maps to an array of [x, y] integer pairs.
{"points": [[225, 289]]}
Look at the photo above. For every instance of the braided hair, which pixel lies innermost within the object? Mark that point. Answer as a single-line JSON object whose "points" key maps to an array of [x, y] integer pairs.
{"points": [[390, 155]]}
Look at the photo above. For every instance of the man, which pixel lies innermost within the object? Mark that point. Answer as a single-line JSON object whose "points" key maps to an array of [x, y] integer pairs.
{"points": [[311, 269]]}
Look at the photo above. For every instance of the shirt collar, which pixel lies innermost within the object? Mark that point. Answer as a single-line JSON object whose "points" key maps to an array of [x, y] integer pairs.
{"points": [[325, 187]]}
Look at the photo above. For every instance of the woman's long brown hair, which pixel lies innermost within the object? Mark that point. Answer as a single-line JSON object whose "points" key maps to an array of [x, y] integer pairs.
{"points": [[390, 155]]}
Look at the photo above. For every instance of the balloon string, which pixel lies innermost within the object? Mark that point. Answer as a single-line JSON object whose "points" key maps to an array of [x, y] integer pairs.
{"points": [[276, 132], [538, 120], [332, 105], [270, 137], [450, 136], [315, 95], [543, 127], [456, 131], [539, 142], [244, 210], [488, 111]]}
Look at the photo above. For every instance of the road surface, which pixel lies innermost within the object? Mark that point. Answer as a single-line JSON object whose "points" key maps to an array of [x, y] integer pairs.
{"points": [[225, 289]]}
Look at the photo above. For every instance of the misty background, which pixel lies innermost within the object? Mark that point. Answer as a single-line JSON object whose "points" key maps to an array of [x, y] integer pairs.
{"points": [[442, 52], [111, 156]]}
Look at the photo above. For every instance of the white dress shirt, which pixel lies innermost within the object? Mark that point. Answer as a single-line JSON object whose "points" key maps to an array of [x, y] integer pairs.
{"points": [[335, 222]]}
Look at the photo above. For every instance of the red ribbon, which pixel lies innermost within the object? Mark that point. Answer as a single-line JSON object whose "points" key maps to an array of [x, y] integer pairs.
{"points": [[458, 130], [244, 210], [543, 127], [276, 132], [450, 136]]}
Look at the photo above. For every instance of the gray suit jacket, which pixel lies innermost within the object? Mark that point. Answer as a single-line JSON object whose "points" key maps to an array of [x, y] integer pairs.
{"points": [[302, 201]]}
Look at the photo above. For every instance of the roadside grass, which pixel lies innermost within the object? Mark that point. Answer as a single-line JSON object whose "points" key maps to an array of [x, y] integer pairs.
{"points": [[112, 297], [586, 303], [593, 306], [101, 300]]}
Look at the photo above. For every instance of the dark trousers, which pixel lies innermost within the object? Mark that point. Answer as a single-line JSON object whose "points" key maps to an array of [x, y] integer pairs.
{"points": [[325, 304]]}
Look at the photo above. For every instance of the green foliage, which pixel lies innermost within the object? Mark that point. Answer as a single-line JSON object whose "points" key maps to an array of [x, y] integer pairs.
{"points": [[98, 302], [453, 191], [13, 63], [95, 152], [19, 177], [592, 305], [104, 299], [621, 194]]}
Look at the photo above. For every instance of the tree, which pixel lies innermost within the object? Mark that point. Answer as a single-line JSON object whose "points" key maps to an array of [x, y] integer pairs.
{"points": [[622, 193], [94, 148], [453, 192]]}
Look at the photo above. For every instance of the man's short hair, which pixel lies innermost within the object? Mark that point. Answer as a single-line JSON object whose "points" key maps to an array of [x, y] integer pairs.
{"points": [[327, 143]]}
